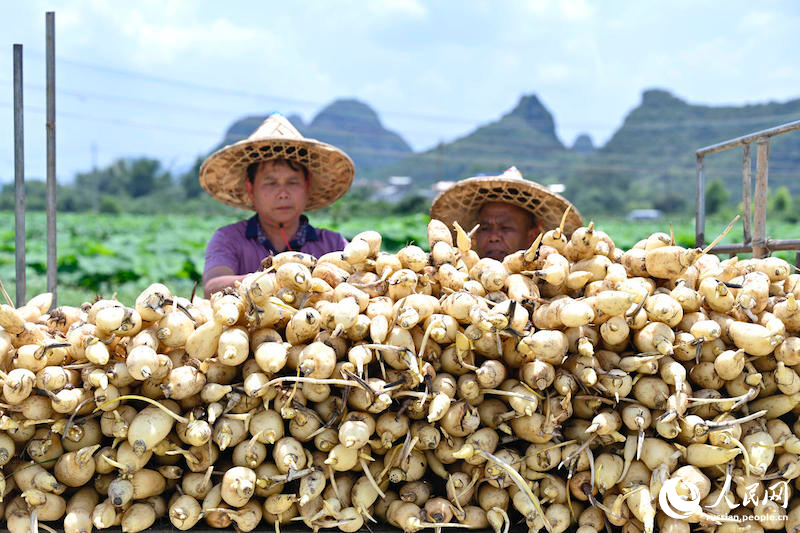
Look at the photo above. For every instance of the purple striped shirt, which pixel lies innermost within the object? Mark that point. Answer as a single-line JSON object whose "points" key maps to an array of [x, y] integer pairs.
{"points": [[242, 247]]}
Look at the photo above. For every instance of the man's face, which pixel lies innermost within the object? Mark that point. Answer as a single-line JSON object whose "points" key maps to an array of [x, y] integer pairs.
{"points": [[504, 229], [278, 193]]}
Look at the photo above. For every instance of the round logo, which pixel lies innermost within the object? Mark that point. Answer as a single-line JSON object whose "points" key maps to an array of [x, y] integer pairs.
{"points": [[675, 505]]}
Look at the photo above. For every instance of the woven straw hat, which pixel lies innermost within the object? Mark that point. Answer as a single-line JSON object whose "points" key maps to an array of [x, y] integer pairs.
{"points": [[462, 202], [330, 170]]}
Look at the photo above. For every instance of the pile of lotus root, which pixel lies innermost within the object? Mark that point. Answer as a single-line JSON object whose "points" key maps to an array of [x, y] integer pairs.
{"points": [[573, 386]]}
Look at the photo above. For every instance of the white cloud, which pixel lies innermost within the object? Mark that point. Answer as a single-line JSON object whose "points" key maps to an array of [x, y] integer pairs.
{"points": [[538, 6], [411, 8], [576, 9], [165, 43], [553, 72], [382, 90], [160, 33], [756, 20], [69, 20], [570, 10]]}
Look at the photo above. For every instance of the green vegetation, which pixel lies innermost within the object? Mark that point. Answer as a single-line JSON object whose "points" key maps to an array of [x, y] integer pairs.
{"points": [[122, 254], [105, 244], [716, 197], [103, 254]]}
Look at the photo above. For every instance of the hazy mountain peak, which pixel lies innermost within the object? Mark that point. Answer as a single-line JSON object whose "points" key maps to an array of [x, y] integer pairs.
{"points": [[583, 144], [355, 127], [297, 121], [524, 137], [349, 114], [531, 110], [348, 124], [660, 98]]}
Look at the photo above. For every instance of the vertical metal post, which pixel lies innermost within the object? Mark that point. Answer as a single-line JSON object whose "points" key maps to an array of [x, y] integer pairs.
{"points": [[747, 191], [760, 218], [95, 184], [52, 256], [19, 177], [700, 219]]}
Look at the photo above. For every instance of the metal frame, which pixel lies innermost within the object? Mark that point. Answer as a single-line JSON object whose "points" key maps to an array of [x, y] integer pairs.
{"points": [[19, 177], [50, 60], [19, 166], [755, 232]]}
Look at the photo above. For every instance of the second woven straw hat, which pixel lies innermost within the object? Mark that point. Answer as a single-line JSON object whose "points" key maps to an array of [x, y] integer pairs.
{"points": [[330, 170], [462, 202]]}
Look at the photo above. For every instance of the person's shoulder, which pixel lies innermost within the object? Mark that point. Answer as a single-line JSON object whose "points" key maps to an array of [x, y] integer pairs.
{"points": [[236, 228], [327, 232], [329, 235], [226, 246]]}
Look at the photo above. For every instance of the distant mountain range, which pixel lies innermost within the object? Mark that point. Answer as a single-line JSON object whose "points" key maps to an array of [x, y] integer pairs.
{"points": [[524, 137], [348, 124], [649, 159]]}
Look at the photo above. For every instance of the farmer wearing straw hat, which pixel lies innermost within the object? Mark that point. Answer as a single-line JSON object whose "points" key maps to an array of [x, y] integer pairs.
{"points": [[511, 211], [278, 173]]}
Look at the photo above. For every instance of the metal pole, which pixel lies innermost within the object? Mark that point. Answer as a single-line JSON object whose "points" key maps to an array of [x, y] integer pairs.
{"points": [[19, 177], [755, 216], [752, 137], [95, 185], [772, 245], [760, 218], [52, 256], [747, 191], [700, 218]]}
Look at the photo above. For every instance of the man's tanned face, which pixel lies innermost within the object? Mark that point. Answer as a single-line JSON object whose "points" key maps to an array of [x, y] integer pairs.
{"points": [[504, 229]]}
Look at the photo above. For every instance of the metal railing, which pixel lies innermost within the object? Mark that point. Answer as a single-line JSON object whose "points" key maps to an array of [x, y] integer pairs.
{"points": [[50, 126], [19, 166], [755, 231], [19, 177]]}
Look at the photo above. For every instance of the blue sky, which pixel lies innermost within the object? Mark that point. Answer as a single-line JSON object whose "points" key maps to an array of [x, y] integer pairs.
{"points": [[166, 78]]}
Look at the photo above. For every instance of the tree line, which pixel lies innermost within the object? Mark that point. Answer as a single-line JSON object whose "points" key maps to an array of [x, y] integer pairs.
{"points": [[144, 186]]}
